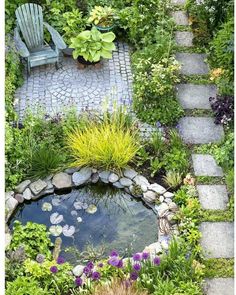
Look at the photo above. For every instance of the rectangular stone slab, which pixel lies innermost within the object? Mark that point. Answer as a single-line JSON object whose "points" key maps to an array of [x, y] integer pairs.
{"points": [[178, 2], [219, 286], [200, 130], [193, 96], [180, 17], [217, 239], [192, 63], [184, 38], [213, 197], [205, 165]]}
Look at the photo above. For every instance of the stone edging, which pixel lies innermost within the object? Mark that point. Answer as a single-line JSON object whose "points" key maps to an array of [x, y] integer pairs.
{"points": [[129, 180]]}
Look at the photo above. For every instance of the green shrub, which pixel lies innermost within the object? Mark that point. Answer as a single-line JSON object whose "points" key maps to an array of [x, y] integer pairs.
{"points": [[230, 181], [25, 286], [105, 145], [172, 179], [33, 237]]}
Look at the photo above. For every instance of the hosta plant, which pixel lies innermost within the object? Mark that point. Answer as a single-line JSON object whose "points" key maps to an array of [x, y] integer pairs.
{"points": [[102, 16], [93, 45]]}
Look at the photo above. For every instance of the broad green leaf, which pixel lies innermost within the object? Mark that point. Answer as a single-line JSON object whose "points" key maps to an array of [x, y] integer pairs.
{"points": [[108, 37], [96, 35], [106, 54], [85, 35], [108, 46]]}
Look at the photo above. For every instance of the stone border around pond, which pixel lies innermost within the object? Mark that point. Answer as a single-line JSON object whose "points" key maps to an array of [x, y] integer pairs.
{"points": [[154, 196]]}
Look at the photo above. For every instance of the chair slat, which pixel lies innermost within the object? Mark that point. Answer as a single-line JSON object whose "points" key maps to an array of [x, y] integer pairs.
{"points": [[22, 26]]}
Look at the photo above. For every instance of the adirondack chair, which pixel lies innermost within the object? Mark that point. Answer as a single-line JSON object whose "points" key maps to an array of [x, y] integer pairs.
{"points": [[30, 25]]}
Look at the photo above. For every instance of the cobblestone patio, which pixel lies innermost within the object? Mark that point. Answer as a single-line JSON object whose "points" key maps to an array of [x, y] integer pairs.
{"points": [[85, 89]]}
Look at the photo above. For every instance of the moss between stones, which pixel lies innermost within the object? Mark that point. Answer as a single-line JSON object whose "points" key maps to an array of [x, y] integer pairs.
{"points": [[210, 180], [192, 49], [199, 113], [219, 268], [196, 79], [182, 28]]}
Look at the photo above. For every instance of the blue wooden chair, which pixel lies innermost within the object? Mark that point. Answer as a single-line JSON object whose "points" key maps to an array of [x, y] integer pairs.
{"points": [[30, 25]]}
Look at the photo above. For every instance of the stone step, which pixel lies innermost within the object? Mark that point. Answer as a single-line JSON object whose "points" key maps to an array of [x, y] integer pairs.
{"points": [[178, 2], [200, 130], [192, 63], [217, 239], [180, 17], [205, 165], [213, 197], [193, 96], [219, 286], [184, 38]]}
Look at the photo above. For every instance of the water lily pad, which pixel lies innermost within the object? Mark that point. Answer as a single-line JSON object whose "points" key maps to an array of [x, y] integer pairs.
{"points": [[79, 219], [78, 205], [91, 209], [74, 213], [84, 205], [56, 202], [55, 230], [56, 218], [68, 231], [47, 206]]}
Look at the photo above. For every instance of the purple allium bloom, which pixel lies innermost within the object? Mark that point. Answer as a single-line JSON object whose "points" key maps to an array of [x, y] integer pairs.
{"points": [[120, 264], [78, 282], [137, 257], [60, 260], [114, 253], [157, 260], [53, 269], [145, 255], [137, 267], [100, 264], [114, 261], [96, 275], [134, 276], [86, 270], [90, 265]]}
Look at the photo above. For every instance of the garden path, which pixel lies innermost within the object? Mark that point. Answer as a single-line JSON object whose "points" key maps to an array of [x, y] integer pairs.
{"points": [[217, 237]]}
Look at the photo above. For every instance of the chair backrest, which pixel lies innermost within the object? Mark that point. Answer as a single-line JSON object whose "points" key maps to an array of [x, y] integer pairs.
{"points": [[30, 21]]}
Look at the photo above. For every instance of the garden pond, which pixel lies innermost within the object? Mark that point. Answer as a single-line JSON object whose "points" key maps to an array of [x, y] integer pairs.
{"points": [[98, 215]]}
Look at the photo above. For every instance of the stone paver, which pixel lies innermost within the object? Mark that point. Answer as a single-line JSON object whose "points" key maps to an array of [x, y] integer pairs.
{"points": [[180, 17], [219, 286], [178, 2], [200, 130], [184, 38], [213, 197], [195, 96], [85, 89], [205, 165], [217, 239], [192, 63]]}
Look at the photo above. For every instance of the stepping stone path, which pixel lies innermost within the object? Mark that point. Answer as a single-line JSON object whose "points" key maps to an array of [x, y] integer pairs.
{"points": [[195, 96], [213, 197], [192, 63], [217, 237], [200, 130], [219, 286], [205, 165]]}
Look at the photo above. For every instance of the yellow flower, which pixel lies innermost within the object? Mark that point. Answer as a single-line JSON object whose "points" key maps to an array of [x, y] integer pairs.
{"points": [[215, 73]]}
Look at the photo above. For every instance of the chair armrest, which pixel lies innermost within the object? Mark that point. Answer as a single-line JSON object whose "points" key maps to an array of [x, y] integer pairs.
{"points": [[56, 37], [20, 45]]}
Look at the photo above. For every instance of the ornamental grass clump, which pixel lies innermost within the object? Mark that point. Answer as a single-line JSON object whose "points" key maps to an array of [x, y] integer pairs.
{"points": [[107, 144]]}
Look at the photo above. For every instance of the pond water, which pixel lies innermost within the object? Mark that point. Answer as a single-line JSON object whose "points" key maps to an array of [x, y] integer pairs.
{"points": [[97, 215]]}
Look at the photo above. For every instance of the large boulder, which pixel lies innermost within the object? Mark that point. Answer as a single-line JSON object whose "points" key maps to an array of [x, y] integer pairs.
{"points": [[62, 180]]}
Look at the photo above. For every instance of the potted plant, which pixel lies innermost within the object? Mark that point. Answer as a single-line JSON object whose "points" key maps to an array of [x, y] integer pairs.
{"points": [[90, 46], [102, 18]]}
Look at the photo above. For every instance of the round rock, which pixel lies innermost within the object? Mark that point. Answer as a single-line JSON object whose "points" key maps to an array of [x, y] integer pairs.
{"points": [[22, 186], [130, 173], [62, 180], [113, 177], [27, 195], [125, 181], [150, 196], [82, 176], [19, 198]]}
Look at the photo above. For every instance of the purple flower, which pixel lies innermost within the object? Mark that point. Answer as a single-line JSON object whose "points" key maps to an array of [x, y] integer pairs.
{"points": [[137, 257], [120, 264], [78, 282], [100, 264], [53, 269], [96, 275], [60, 260], [114, 253], [145, 255], [90, 265], [157, 260], [86, 270], [137, 267], [133, 276], [114, 261]]}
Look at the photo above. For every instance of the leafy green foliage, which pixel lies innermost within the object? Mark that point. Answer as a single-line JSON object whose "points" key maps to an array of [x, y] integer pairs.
{"points": [[172, 179], [102, 16], [219, 268], [33, 237], [24, 286], [93, 45]]}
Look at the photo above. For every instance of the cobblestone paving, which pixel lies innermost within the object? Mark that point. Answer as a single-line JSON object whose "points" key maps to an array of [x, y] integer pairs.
{"points": [[85, 89]]}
